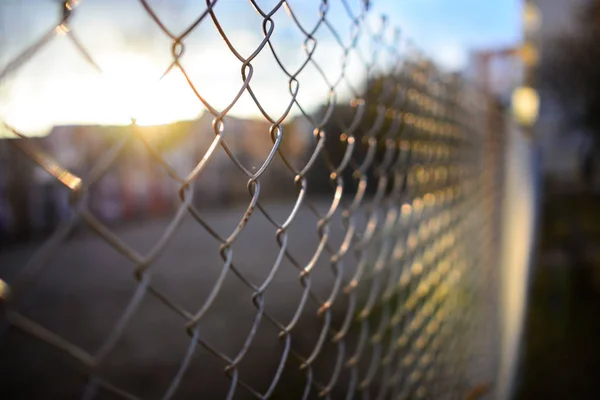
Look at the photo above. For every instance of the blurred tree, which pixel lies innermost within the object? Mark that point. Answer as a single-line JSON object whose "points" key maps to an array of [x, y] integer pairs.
{"points": [[368, 115], [570, 73]]}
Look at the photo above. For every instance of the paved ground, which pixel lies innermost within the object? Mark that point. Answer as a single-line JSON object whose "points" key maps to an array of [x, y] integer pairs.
{"points": [[86, 286]]}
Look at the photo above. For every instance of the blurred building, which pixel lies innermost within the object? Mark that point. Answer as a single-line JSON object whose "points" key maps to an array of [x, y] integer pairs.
{"points": [[15, 171], [497, 71], [561, 145], [144, 178], [500, 70], [558, 16]]}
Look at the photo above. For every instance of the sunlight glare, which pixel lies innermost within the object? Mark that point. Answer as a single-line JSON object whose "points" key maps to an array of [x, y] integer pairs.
{"points": [[135, 84]]}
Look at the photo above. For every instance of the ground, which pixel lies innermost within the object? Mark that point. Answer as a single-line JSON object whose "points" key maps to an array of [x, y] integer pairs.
{"points": [[561, 353], [86, 286]]}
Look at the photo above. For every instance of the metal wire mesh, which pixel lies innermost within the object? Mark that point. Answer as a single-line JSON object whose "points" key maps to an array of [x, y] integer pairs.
{"points": [[396, 213]]}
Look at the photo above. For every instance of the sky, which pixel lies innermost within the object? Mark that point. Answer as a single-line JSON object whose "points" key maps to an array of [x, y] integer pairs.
{"points": [[57, 85]]}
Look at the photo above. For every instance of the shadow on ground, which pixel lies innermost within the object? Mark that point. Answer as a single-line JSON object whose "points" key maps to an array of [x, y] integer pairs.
{"points": [[561, 354]]}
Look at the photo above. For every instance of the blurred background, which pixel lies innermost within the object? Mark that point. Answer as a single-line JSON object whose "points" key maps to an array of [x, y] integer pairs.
{"points": [[560, 348], [75, 94]]}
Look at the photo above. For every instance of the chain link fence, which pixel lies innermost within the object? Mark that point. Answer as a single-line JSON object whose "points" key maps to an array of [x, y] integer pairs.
{"points": [[356, 256]]}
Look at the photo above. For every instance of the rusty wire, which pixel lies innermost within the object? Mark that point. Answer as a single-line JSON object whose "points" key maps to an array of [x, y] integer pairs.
{"points": [[406, 331]]}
